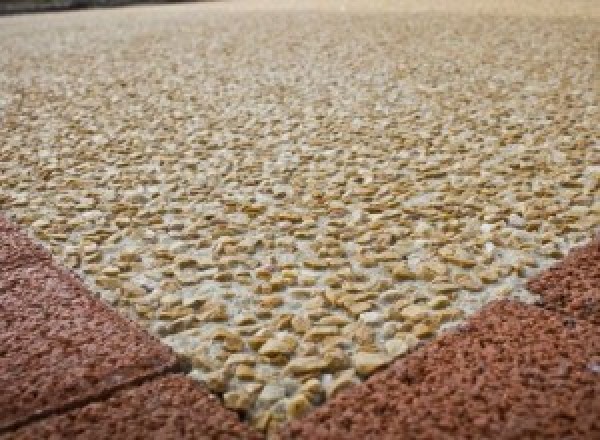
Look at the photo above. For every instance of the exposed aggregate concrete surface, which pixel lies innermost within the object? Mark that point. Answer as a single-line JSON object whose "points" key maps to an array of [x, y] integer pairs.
{"points": [[294, 194]]}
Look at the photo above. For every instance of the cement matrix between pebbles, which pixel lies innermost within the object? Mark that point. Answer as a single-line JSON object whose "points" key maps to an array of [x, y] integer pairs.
{"points": [[291, 198]]}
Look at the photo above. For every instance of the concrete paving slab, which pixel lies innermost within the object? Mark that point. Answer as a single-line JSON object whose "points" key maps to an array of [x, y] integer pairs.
{"points": [[171, 407], [60, 346], [573, 285]]}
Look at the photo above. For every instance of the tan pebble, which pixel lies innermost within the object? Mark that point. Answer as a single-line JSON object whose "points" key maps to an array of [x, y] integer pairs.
{"points": [[223, 277], [241, 358], [238, 400], [270, 301], [301, 293], [361, 333], [381, 285], [358, 308], [313, 390], [92, 268], [130, 257], [307, 349], [305, 234], [256, 341], [132, 290], [335, 297], [315, 303], [277, 283], [144, 310], [414, 312], [401, 272], [188, 279], [423, 330], [306, 364], [108, 282], [244, 278], [271, 393], [297, 406], [367, 262], [333, 281], [335, 320], [263, 313], [387, 257], [445, 287], [170, 300], [319, 333], [366, 363], [177, 312], [163, 254], [307, 281], [245, 372], [275, 423], [409, 338], [300, 324], [468, 281], [396, 347], [316, 264], [432, 270], [194, 301], [201, 359], [215, 381], [458, 258], [282, 345], [233, 343], [448, 315], [93, 257], [392, 296], [388, 329], [244, 319], [263, 273], [284, 322], [111, 271], [213, 311], [502, 292], [490, 275], [438, 302], [344, 380], [336, 359]]}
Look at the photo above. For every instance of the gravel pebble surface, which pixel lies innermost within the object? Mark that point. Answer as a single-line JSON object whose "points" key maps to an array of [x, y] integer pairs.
{"points": [[293, 194]]}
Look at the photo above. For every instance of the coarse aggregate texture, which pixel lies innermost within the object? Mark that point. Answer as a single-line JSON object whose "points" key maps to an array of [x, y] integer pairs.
{"points": [[514, 371], [293, 194], [171, 407], [573, 285], [60, 346]]}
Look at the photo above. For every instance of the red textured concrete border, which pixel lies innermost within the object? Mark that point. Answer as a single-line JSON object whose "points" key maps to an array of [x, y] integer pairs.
{"points": [[171, 407], [60, 346], [573, 285]]}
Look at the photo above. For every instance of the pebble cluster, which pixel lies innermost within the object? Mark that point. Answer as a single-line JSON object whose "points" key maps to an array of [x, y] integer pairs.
{"points": [[292, 199]]}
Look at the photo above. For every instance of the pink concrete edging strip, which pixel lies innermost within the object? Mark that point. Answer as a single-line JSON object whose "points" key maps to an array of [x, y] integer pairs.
{"points": [[170, 407], [573, 285], [60, 346]]}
